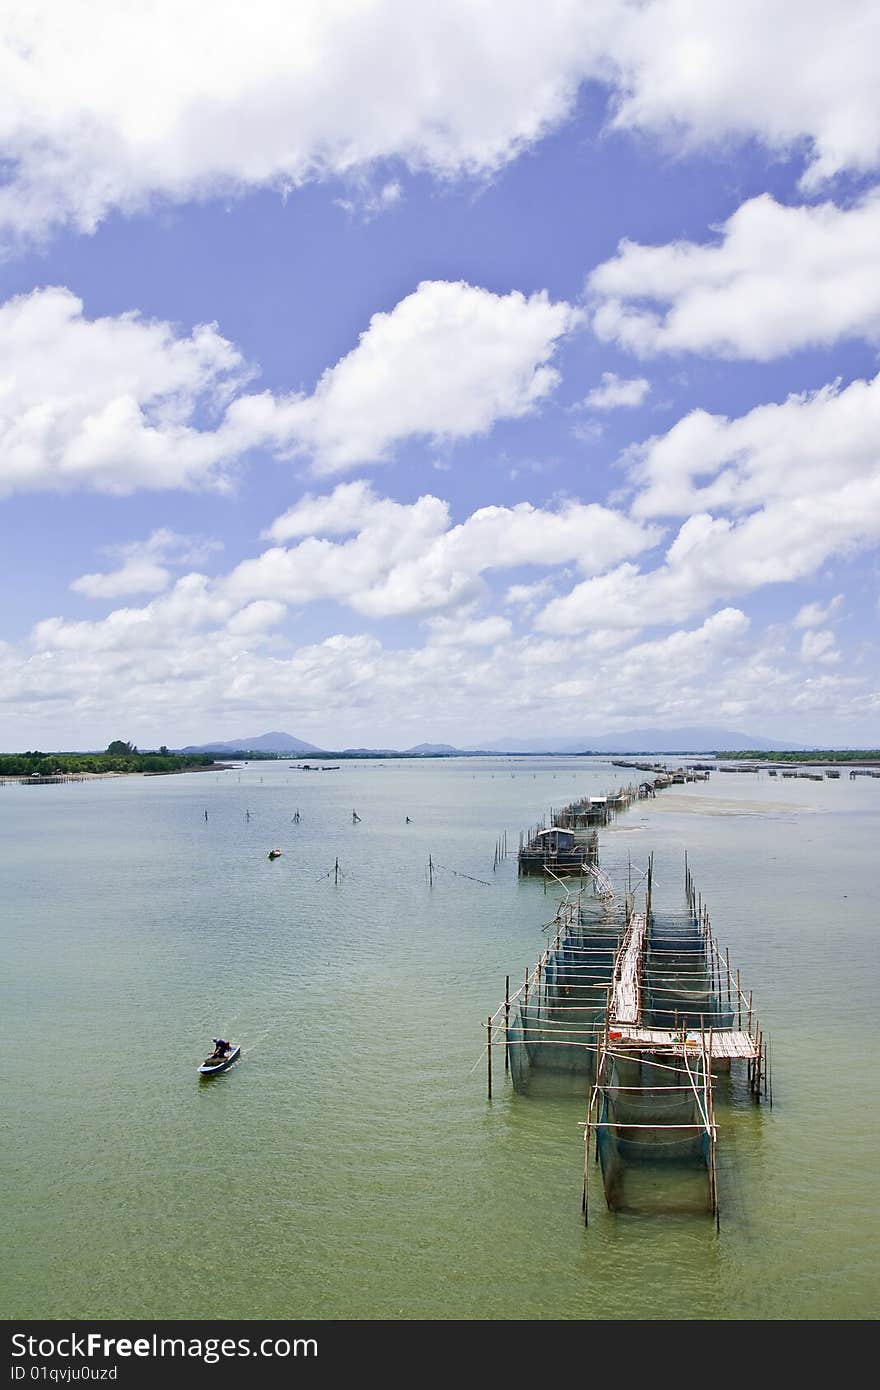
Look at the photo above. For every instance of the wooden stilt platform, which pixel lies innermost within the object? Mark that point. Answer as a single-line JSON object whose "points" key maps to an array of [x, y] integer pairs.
{"points": [[648, 1010]]}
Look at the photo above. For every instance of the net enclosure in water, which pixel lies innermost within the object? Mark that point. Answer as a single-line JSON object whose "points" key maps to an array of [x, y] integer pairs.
{"points": [[640, 1010]]}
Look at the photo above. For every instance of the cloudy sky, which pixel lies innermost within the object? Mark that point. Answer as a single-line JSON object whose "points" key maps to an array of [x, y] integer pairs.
{"points": [[385, 371]]}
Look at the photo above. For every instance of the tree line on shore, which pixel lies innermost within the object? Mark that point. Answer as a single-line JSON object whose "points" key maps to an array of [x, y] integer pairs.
{"points": [[119, 756], [806, 755]]}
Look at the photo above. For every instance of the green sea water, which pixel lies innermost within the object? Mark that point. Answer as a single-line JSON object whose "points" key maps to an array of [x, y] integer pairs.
{"points": [[350, 1166]]}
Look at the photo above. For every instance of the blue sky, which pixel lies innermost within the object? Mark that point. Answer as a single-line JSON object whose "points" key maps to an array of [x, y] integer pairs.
{"points": [[386, 373]]}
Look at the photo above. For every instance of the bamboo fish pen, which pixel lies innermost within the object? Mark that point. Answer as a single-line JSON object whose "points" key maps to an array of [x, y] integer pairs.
{"points": [[646, 1010]]}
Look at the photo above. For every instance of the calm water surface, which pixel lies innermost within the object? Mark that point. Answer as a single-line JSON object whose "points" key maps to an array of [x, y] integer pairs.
{"points": [[349, 1165]]}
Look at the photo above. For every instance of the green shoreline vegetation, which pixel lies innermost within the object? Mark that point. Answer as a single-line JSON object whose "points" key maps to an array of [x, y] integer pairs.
{"points": [[124, 757], [807, 755], [119, 757]]}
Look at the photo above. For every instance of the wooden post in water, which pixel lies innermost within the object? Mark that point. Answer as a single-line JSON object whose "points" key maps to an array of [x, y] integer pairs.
{"points": [[430, 872], [713, 1143], [336, 873], [762, 1069], [585, 1189], [506, 1024], [707, 1078], [489, 1055], [587, 1137]]}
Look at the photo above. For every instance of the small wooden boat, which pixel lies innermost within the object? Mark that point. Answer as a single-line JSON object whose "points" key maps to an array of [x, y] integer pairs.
{"points": [[215, 1064], [274, 853]]}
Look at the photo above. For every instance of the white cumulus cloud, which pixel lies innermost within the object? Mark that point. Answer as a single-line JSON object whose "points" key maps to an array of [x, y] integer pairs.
{"points": [[145, 565], [800, 451], [107, 106], [767, 498], [469, 632], [614, 392], [120, 403], [403, 558], [107, 403], [198, 656], [445, 363], [815, 614], [796, 77], [820, 646], [778, 278]]}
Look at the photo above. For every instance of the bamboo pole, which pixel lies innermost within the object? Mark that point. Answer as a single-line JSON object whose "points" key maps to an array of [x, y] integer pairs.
{"points": [[713, 1140], [763, 1047], [587, 1136], [586, 1179], [707, 1072], [506, 1024], [600, 1067], [489, 1057]]}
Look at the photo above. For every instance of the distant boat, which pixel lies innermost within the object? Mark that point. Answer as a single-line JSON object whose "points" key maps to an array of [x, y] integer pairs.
{"points": [[274, 854], [331, 769], [215, 1064]]}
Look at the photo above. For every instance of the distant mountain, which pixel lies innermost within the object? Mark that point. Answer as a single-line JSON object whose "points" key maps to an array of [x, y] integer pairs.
{"points": [[695, 739], [261, 743], [368, 753]]}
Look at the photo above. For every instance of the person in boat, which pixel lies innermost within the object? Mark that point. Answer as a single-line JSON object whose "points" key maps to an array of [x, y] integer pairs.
{"points": [[221, 1047]]}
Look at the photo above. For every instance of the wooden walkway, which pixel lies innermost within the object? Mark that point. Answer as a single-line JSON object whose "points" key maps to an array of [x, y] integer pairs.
{"points": [[625, 1030], [726, 1042], [626, 997]]}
